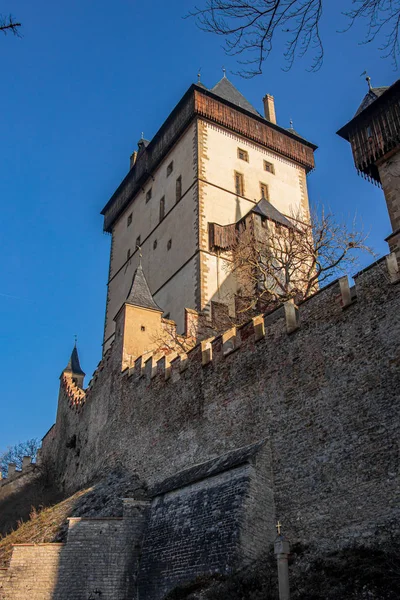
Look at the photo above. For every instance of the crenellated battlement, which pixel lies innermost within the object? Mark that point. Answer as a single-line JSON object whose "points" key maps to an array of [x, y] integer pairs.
{"points": [[213, 350], [173, 357], [75, 395]]}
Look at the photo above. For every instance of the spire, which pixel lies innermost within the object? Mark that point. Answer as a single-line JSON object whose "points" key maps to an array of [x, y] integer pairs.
{"points": [[73, 365], [139, 294]]}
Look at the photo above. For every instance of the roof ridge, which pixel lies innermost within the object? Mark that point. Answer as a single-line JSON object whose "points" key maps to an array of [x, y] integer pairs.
{"points": [[227, 91]]}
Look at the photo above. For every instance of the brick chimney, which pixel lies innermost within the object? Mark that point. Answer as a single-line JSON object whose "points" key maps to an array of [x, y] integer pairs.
{"points": [[269, 108]]}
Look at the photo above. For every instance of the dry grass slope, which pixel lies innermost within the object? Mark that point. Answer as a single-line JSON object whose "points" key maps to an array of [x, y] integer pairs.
{"points": [[102, 499]]}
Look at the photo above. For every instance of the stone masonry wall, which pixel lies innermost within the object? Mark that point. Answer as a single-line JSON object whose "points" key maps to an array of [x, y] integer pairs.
{"points": [[99, 560], [199, 522], [324, 397], [33, 572]]}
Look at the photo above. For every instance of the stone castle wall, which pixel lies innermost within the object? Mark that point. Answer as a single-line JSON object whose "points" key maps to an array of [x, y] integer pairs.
{"points": [[325, 399]]}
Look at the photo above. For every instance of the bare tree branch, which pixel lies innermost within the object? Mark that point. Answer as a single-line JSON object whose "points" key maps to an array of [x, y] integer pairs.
{"points": [[15, 454], [8, 25], [250, 28], [275, 263]]}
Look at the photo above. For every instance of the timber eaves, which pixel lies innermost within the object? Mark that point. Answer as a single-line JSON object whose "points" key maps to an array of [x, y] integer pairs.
{"points": [[177, 122]]}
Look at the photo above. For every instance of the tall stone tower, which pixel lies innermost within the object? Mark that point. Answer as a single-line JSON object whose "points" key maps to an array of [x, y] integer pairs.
{"points": [[210, 163], [374, 135]]}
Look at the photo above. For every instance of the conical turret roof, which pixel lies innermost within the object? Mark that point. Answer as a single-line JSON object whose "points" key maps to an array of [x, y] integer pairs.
{"points": [[370, 97], [73, 365], [139, 294]]}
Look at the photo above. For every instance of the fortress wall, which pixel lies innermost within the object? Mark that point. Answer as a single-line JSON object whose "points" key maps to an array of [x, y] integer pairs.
{"points": [[17, 482], [201, 521], [93, 561], [325, 398], [33, 572]]}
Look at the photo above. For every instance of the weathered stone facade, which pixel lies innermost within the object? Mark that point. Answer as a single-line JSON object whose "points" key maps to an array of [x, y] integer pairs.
{"points": [[323, 402]]}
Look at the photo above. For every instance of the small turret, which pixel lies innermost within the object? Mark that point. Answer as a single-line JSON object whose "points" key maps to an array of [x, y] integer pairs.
{"points": [[138, 322], [374, 135], [74, 368]]}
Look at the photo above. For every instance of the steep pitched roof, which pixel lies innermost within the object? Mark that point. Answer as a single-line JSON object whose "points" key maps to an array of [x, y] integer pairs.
{"points": [[227, 91], [139, 294], [370, 97], [268, 211], [73, 365], [294, 132]]}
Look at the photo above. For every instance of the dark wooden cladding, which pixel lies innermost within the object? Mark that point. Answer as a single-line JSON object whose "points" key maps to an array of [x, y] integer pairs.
{"points": [[375, 135], [222, 237], [147, 161], [195, 102], [261, 133]]}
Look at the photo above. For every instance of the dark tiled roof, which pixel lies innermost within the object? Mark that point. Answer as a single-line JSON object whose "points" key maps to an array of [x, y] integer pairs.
{"points": [[73, 365], [267, 210], [139, 294], [227, 91], [235, 458], [369, 98], [294, 132]]}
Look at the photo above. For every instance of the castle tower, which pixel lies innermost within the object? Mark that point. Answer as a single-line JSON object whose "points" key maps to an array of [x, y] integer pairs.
{"points": [[73, 368], [214, 158], [138, 322], [374, 135]]}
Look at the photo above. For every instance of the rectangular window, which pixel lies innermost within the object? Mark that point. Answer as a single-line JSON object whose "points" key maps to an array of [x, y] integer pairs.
{"points": [[178, 188], [148, 195], [137, 242], [243, 154], [264, 191], [162, 208], [129, 220], [239, 184], [269, 167], [170, 168]]}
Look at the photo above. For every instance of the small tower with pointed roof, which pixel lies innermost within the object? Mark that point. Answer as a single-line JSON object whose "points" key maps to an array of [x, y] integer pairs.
{"points": [[374, 135], [138, 323], [74, 369]]}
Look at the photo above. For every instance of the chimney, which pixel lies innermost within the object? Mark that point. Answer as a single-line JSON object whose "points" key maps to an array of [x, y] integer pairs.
{"points": [[269, 108]]}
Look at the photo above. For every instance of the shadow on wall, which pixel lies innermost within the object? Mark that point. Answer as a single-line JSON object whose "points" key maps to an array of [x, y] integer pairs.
{"points": [[40, 558], [357, 573], [24, 496]]}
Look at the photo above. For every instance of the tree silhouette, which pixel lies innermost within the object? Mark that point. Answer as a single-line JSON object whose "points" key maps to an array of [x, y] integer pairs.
{"points": [[250, 27]]}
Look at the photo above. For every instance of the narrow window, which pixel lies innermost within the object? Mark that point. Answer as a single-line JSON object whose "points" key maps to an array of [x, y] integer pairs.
{"points": [[179, 188], [269, 167], [128, 254], [162, 208], [239, 184], [169, 244], [137, 242], [170, 168], [143, 328], [243, 154], [154, 244], [129, 220], [148, 195], [264, 191]]}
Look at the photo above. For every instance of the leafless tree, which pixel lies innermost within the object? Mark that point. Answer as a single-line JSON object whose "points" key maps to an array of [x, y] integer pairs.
{"points": [[251, 27], [283, 263], [15, 454], [9, 25]]}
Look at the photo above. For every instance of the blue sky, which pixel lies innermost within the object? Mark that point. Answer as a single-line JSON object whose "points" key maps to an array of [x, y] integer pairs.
{"points": [[77, 91]]}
